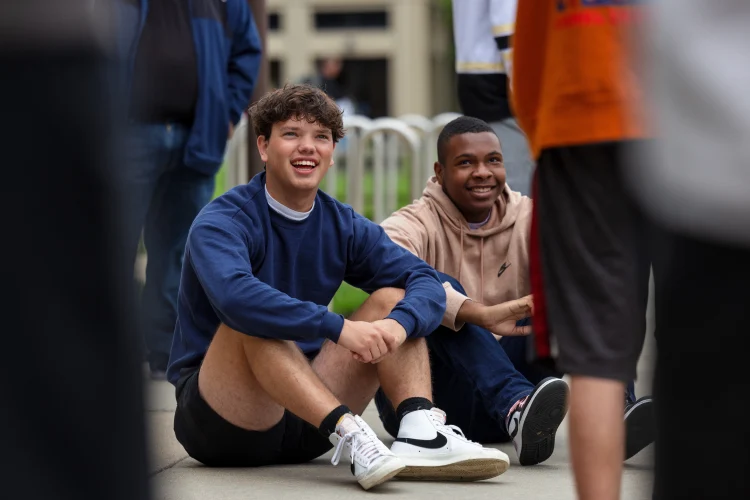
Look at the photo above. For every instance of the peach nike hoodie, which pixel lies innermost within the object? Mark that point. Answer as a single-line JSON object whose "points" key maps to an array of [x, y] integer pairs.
{"points": [[491, 262]]}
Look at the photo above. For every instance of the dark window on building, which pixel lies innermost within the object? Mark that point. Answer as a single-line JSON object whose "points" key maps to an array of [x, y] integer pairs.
{"points": [[274, 22], [274, 69], [365, 82], [351, 20]]}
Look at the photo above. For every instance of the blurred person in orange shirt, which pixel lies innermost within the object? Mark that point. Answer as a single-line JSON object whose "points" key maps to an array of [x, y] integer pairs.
{"points": [[578, 100]]}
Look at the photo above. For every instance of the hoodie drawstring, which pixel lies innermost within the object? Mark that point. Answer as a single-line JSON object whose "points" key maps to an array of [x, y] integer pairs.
{"points": [[461, 254], [481, 270], [481, 265]]}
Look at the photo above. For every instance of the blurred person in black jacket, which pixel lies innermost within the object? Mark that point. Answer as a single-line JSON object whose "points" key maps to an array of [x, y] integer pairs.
{"points": [[71, 416]]}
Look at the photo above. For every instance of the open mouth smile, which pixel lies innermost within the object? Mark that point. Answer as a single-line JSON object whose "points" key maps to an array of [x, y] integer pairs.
{"points": [[304, 166]]}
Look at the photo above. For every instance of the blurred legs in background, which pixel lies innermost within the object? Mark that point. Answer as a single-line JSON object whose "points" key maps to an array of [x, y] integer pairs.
{"points": [[694, 182], [519, 166]]}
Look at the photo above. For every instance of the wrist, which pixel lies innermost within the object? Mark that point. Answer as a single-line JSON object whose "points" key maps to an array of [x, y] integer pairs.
{"points": [[404, 319], [396, 325], [344, 324], [472, 312]]}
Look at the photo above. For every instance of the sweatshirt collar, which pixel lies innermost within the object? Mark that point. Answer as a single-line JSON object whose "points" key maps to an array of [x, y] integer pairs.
{"points": [[285, 211]]}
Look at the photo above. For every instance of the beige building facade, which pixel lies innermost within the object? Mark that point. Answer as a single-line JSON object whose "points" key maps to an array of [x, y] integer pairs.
{"points": [[411, 39]]}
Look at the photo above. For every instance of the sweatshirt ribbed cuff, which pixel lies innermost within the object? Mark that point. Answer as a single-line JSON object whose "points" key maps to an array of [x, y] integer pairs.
{"points": [[453, 302], [404, 319], [331, 326]]}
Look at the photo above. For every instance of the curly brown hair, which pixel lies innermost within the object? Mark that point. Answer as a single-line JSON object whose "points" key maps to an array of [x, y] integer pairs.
{"points": [[299, 101]]}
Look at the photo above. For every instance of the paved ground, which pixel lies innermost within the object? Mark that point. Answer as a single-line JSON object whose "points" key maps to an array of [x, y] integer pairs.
{"points": [[175, 476]]}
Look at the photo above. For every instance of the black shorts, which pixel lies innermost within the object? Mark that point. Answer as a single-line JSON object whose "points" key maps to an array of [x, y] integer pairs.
{"points": [[590, 263], [215, 442]]}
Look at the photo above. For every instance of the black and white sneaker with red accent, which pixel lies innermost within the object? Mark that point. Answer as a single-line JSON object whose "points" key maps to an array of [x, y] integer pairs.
{"points": [[533, 421]]}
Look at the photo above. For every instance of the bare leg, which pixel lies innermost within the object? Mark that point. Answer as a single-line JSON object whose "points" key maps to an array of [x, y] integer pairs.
{"points": [[352, 382], [597, 437], [405, 373], [249, 381], [378, 305]]}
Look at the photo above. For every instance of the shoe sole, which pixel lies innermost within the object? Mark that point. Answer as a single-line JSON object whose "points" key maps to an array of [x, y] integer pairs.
{"points": [[548, 405], [475, 469], [640, 427], [382, 474]]}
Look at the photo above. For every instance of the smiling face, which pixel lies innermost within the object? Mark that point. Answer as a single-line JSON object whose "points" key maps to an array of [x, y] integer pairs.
{"points": [[473, 175], [297, 155]]}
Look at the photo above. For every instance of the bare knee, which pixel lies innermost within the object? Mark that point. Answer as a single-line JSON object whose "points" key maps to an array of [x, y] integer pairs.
{"points": [[388, 297], [379, 304]]}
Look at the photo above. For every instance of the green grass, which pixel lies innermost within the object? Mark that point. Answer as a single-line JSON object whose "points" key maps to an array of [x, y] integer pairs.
{"points": [[220, 183], [349, 298]]}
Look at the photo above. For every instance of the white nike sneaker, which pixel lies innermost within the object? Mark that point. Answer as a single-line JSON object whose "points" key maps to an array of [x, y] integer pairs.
{"points": [[432, 450], [533, 421], [372, 462]]}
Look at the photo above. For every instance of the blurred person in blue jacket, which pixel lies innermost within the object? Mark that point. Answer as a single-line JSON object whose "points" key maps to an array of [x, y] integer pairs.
{"points": [[190, 67]]}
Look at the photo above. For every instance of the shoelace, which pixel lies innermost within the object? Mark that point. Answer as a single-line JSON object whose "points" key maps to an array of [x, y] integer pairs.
{"points": [[440, 424], [360, 443]]}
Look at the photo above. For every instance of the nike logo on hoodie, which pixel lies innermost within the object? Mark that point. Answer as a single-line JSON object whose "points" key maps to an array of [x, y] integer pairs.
{"points": [[502, 269]]}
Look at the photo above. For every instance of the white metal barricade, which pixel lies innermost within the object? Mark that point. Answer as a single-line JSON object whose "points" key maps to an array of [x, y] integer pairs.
{"points": [[356, 126], [235, 164], [388, 127], [424, 127]]}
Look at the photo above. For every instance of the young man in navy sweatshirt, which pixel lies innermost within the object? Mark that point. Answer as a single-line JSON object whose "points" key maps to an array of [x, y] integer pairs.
{"points": [[265, 373]]}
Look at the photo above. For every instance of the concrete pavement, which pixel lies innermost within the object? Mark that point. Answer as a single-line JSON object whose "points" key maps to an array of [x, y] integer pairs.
{"points": [[175, 476]]}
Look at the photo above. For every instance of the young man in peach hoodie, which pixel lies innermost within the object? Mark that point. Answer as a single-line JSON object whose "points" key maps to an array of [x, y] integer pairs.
{"points": [[485, 249], [475, 231]]}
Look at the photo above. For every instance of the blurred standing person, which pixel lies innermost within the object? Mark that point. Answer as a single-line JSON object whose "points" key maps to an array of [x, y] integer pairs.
{"points": [[190, 69], [72, 419], [328, 79], [698, 193], [577, 98], [482, 32]]}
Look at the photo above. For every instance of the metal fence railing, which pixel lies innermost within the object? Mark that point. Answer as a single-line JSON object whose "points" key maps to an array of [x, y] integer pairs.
{"points": [[376, 157]]}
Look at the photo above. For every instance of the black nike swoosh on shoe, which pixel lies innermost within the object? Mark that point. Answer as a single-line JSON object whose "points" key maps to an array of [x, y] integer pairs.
{"points": [[516, 421], [438, 442]]}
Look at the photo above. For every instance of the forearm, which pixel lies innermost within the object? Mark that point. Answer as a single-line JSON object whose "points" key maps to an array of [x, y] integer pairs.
{"points": [[277, 316], [471, 312], [422, 307]]}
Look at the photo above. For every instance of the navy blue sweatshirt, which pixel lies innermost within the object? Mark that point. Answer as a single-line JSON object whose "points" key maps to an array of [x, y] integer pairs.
{"points": [[271, 277]]}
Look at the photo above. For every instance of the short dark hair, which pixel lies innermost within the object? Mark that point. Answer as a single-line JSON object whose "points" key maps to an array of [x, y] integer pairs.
{"points": [[301, 101], [459, 126]]}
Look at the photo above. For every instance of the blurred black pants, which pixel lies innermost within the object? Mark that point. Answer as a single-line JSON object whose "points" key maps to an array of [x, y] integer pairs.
{"points": [[701, 379], [71, 416]]}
